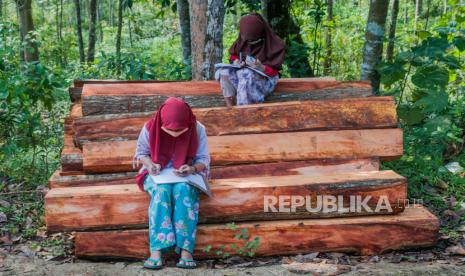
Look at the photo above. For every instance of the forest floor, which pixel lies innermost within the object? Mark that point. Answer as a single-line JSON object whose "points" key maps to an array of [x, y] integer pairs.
{"points": [[22, 261]]}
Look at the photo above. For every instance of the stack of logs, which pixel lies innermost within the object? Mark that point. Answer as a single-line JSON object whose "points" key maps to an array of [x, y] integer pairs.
{"points": [[313, 137]]}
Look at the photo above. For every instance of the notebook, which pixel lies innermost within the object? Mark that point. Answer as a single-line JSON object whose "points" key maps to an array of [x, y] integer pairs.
{"points": [[167, 176], [236, 66]]}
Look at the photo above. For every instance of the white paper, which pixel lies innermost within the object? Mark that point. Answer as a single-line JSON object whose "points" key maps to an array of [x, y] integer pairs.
{"points": [[225, 65], [167, 176]]}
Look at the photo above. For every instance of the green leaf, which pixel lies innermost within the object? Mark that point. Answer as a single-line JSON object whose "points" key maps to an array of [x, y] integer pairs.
{"points": [[430, 76], [433, 101], [432, 47], [391, 72], [423, 34], [410, 115], [451, 61], [436, 122], [207, 248], [459, 42], [231, 226], [3, 93]]}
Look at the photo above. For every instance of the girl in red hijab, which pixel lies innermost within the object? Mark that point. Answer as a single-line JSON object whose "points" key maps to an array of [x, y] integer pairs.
{"points": [[258, 47], [172, 139]]}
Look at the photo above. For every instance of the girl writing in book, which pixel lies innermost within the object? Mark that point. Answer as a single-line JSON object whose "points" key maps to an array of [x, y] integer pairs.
{"points": [[172, 139], [265, 52]]}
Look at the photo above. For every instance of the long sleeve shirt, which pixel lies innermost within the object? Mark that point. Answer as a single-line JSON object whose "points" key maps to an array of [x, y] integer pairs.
{"points": [[202, 155]]}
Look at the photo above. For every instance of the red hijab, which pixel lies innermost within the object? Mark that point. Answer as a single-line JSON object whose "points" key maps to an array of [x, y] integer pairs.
{"points": [[270, 50], [175, 114]]}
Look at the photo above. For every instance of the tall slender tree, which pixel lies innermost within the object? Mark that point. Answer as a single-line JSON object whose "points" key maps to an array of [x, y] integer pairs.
{"points": [[77, 7], [31, 50], [214, 41], [185, 28], [198, 12], [118, 35], [92, 31], [392, 30], [373, 47], [329, 46]]}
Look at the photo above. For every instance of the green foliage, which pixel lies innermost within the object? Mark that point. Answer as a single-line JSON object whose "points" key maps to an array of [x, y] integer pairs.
{"points": [[247, 248], [427, 81]]}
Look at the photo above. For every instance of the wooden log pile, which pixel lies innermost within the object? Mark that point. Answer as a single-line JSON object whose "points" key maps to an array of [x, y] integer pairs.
{"points": [[314, 138]]}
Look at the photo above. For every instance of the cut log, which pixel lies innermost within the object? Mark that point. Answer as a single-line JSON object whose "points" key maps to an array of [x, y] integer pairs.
{"points": [[370, 235], [58, 180], [310, 167], [116, 156], [360, 113], [71, 156], [141, 97], [76, 91], [238, 199], [74, 113]]}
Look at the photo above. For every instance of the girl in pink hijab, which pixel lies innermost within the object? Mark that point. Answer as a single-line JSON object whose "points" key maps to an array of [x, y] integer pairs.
{"points": [[172, 139]]}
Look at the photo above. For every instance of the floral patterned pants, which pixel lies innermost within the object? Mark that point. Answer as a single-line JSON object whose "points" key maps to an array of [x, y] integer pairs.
{"points": [[248, 86], [173, 215]]}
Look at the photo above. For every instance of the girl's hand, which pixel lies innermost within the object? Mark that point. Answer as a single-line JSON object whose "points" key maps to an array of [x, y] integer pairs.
{"points": [[153, 168], [256, 65], [237, 62], [185, 170]]}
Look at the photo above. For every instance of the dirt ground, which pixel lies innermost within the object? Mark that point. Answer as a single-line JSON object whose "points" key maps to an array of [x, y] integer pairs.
{"points": [[413, 263]]}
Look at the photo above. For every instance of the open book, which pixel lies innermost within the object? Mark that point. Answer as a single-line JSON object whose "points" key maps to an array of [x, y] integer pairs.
{"points": [[167, 176], [236, 66]]}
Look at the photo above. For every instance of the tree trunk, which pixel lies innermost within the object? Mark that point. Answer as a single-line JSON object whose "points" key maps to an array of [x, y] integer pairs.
{"points": [[60, 26], [444, 11], [198, 12], [111, 13], [130, 31], [329, 50], [92, 28], [31, 51], [373, 48], [214, 40], [99, 20], [392, 30], [428, 5], [118, 35], [82, 55], [185, 28], [277, 13], [418, 8]]}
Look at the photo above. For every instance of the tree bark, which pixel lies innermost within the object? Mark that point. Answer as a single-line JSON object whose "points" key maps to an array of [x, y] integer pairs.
{"points": [[198, 12], [92, 28], [214, 39], [392, 30], [185, 29], [118, 35], [373, 48], [82, 55], [31, 51], [277, 13], [329, 50]]}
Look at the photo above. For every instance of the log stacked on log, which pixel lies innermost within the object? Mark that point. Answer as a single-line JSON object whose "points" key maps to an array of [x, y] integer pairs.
{"points": [[319, 140]]}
